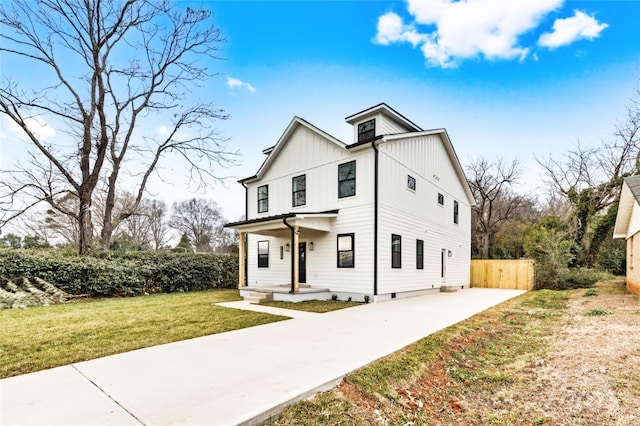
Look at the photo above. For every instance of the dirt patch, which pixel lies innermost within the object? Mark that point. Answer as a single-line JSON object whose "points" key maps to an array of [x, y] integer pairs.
{"points": [[567, 358]]}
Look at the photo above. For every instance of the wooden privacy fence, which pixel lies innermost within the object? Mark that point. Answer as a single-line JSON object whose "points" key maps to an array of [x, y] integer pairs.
{"points": [[510, 274]]}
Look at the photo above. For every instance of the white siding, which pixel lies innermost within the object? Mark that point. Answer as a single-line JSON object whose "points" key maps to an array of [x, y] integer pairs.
{"points": [[384, 126], [310, 154], [417, 215], [634, 222]]}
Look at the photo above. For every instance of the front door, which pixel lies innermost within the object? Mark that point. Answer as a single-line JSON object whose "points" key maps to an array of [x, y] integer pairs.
{"points": [[302, 263], [443, 265]]}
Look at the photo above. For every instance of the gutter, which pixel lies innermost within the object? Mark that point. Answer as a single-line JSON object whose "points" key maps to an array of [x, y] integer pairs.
{"points": [[293, 288], [375, 219]]}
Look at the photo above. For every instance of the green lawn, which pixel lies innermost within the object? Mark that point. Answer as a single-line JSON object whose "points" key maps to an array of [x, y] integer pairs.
{"points": [[37, 338], [320, 306]]}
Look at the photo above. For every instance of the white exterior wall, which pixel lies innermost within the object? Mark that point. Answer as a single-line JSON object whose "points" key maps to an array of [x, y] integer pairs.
{"points": [[634, 222], [310, 154], [384, 126], [417, 215]]}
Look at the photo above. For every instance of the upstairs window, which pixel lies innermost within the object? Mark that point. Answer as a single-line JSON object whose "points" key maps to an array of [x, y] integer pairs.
{"points": [[396, 251], [411, 182], [345, 251], [263, 199], [455, 212], [440, 199], [263, 254], [367, 130], [419, 254], [347, 179], [299, 190]]}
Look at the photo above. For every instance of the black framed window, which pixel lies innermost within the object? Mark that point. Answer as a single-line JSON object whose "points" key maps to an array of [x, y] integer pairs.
{"points": [[419, 254], [367, 130], [455, 212], [346, 251], [411, 182], [263, 198], [440, 199], [347, 179], [263, 254], [396, 251], [299, 188]]}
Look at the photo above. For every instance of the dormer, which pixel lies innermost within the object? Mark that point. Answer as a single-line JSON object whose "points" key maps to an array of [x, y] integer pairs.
{"points": [[379, 120]]}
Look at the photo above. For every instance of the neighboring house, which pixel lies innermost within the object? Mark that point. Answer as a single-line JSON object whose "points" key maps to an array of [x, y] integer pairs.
{"points": [[628, 227], [385, 216]]}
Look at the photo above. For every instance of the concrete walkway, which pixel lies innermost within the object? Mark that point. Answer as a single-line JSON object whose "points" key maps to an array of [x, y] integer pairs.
{"points": [[239, 377]]}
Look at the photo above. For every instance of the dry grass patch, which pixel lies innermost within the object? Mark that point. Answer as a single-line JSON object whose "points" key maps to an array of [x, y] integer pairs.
{"points": [[37, 338], [319, 306]]}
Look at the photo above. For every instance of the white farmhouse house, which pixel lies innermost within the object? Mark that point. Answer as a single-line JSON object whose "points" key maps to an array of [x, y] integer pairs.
{"points": [[385, 216]]}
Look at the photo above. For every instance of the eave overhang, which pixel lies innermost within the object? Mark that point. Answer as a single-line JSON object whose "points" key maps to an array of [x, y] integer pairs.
{"points": [[275, 225]]}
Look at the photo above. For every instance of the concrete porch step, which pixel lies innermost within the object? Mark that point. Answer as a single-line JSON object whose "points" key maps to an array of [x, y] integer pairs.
{"points": [[448, 289], [258, 296]]}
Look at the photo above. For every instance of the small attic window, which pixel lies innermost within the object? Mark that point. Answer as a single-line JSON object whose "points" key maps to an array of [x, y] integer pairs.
{"points": [[367, 130]]}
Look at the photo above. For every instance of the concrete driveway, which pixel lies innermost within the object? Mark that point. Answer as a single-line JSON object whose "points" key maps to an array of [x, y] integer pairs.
{"points": [[239, 377]]}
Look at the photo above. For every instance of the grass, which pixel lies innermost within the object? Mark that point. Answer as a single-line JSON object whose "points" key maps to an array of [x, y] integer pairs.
{"points": [[37, 338], [597, 312], [590, 293], [418, 384], [320, 306]]}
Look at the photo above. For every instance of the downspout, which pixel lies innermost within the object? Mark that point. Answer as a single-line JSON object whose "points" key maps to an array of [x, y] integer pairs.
{"points": [[246, 235], [375, 219], [293, 288]]}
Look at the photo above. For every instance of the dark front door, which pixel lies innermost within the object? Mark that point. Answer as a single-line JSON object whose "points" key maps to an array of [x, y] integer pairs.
{"points": [[302, 263]]}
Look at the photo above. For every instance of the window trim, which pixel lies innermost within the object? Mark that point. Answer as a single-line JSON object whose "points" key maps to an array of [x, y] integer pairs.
{"points": [[266, 199], [394, 238], [353, 250], [361, 134], [347, 180], [263, 256], [456, 212], [419, 254], [410, 180], [294, 192]]}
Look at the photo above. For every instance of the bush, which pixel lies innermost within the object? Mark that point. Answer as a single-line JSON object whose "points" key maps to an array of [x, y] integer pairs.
{"points": [[125, 274]]}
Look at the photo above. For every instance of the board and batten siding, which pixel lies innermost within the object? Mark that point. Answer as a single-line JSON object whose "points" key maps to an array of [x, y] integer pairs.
{"points": [[322, 261], [307, 153], [384, 126], [417, 215]]}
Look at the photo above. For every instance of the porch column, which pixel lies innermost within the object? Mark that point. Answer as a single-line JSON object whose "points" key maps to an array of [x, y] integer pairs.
{"points": [[296, 254], [241, 260]]}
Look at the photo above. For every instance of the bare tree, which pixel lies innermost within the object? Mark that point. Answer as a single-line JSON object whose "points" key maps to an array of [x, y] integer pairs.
{"points": [[109, 70], [496, 203], [156, 211], [590, 178], [201, 220]]}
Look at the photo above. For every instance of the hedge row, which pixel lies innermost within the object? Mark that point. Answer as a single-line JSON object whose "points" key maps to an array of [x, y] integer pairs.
{"points": [[127, 274]]}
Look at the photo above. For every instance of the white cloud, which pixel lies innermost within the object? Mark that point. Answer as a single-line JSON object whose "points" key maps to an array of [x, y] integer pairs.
{"points": [[236, 82], [36, 125], [447, 31], [567, 30]]}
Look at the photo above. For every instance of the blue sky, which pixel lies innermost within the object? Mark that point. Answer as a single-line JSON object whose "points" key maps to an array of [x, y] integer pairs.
{"points": [[506, 78], [324, 61]]}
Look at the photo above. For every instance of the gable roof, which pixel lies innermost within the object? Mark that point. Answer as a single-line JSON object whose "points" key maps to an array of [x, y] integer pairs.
{"points": [[387, 111], [273, 151], [629, 195], [448, 146]]}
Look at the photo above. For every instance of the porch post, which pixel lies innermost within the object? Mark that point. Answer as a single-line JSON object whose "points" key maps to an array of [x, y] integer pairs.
{"points": [[241, 260], [296, 254]]}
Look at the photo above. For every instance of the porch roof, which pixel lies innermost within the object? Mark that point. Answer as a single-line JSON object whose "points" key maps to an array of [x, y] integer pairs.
{"points": [[272, 225]]}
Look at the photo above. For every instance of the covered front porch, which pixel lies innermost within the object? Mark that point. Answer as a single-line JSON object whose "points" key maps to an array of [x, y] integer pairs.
{"points": [[295, 234]]}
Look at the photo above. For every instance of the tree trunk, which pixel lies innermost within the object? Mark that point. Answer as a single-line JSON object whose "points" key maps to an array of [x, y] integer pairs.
{"points": [[85, 224]]}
